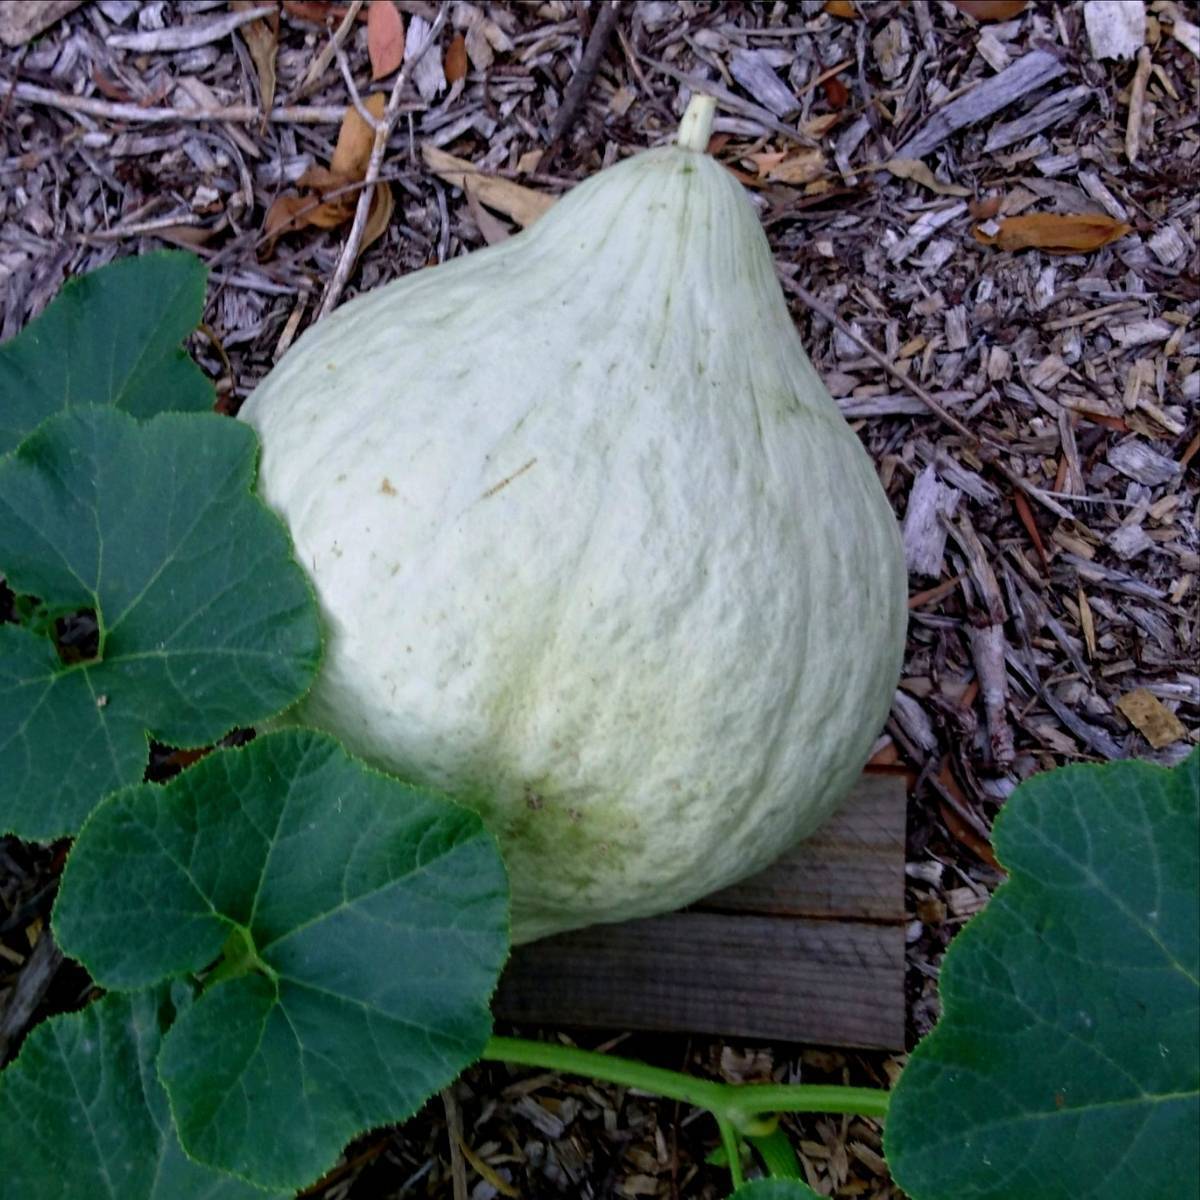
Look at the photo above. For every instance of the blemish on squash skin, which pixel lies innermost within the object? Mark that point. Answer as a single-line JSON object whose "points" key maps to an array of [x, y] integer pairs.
{"points": [[505, 482], [386, 487]]}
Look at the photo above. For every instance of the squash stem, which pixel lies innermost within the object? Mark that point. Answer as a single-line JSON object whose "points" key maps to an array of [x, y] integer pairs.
{"points": [[738, 1108], [733, 1151], [696, 127], [740, 1102]]}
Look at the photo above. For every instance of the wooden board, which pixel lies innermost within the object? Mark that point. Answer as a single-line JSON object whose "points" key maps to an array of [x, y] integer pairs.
{"points": [[811, 950]]}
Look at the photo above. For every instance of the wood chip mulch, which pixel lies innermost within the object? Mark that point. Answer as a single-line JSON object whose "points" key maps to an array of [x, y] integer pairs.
{"points": [[1049, 505]]}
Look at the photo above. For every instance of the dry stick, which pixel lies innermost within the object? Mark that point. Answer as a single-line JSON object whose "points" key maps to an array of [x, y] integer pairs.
{"points": [[454, 1133], [239, 113], [947, 418], [383, 130], [316, 69], [188, 37], [581, 81], [344, 66], [1137, 105], [986, 637], [635, 69], [137, 228], [822, 309]]}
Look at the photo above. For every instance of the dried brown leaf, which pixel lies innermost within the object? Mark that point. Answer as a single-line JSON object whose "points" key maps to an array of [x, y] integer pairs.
{"points": [[818, 127], [523, 204], [321, 179], [1056, 233], [283, 215], [841, 8], [383, 204], [1027, 519], [492, 228], [1151, 718], [456, 59], [802, 167], [319, 12], [764, 161], [918, 172], [262, 40], [184, 235], [331, 213], [991, 10], [355, 139], [351, 156], [985, 207], [959, 829], [385, 38], [836, 92]]}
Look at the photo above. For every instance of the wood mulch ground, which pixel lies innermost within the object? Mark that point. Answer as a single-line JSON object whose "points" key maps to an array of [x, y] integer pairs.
{"points": [[1049, 507]]}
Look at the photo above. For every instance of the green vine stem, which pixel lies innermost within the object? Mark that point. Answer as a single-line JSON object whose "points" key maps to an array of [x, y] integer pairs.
{"points": [[740, 1105], [733, 1151]]}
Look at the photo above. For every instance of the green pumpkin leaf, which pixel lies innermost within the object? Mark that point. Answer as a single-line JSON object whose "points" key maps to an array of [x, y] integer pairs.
{"points": [[1067, 1061], [111, 337], [84, 1117], [778, 1156], [362, 926], [206, 622], [775, 1189]]}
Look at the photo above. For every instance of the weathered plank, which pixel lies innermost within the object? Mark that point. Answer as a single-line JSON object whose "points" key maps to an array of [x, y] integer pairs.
{"points": [[811, 950], [852, 867]]}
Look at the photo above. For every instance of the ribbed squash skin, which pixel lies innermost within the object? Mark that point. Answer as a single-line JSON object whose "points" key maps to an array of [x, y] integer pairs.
{"points": [[596, 551]]}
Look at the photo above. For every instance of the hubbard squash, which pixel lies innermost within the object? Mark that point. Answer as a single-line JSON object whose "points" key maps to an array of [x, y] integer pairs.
{"points": [[596, 552]]}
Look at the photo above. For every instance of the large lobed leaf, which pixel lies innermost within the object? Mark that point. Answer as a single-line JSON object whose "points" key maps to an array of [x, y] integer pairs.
{"points": [[111, 337], [84, 1117], [206, 622], [363, 925], [1066, 1065]]}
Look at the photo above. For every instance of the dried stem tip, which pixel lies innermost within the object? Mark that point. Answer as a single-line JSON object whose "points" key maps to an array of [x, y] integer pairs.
{"points": [[696, 126]]}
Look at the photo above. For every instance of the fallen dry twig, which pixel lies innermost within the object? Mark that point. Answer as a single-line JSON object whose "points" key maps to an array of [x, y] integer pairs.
{"points": [[316, 69], [974, 439], [823, 309], [383, 129], [581, 80], [316, 114], [454, 1133], [188, 37]]}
